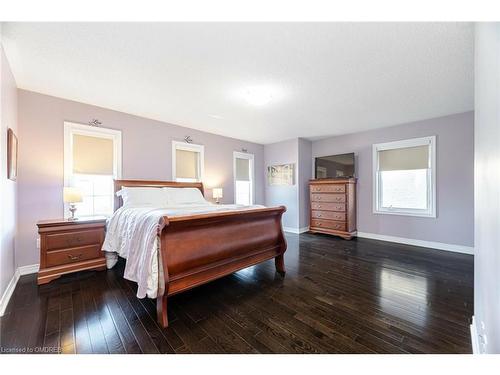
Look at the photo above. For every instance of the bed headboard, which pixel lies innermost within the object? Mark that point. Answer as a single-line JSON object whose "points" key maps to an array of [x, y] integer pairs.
{"points": [[118, 184]]}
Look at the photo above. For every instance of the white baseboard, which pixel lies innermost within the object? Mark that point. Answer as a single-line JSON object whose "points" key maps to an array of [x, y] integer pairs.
{"points": [[27, 270], [8, 292], [409, 241], [296, 230], [20, 271], [476, 348]]}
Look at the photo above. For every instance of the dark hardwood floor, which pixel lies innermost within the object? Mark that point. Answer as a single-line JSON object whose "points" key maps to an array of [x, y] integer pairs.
{"points": [[359, 296]]}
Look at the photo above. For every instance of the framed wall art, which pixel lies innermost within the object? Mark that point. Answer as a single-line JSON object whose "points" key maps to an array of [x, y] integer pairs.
{"points": [[283, 174]]}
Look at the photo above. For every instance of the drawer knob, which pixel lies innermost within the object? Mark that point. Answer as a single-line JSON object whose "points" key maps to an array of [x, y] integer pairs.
{"points": [[319, 215], [319, 206], [74, 257], [319, 224]]}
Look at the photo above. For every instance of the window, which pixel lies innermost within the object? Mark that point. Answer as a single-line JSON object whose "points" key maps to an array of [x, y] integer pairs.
{"points": [[187, 162], [243, 172], [92, 159], [405, 177]]}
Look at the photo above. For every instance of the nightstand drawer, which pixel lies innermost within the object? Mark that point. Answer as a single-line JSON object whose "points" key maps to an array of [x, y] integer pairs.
{"points": [[55, 241], [73, 255]]}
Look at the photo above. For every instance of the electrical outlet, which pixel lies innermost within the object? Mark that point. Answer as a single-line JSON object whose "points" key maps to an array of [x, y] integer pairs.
{"points": [[38, 243]]}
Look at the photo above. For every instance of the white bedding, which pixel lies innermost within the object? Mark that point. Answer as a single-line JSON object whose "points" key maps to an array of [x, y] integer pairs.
{"points": [[132, 233]]}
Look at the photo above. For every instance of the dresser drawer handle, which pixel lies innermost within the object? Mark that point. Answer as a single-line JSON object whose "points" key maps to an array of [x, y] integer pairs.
{"points": [[318, 215], [319, 224], [74, 257], [319, 206]]}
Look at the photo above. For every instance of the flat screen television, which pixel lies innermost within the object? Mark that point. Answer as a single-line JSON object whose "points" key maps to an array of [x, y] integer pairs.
{"points": [[334, 166]]}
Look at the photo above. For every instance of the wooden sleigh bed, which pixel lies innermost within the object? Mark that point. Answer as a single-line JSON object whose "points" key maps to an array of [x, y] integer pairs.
{"points": [[197, 249]]}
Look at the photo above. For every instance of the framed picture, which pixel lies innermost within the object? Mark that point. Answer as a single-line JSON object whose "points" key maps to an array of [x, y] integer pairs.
{"points": [[283, 174], [11, 155]]}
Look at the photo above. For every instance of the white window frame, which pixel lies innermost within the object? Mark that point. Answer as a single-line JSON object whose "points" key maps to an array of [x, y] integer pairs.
{"points": [[71, 128], [431, 176], [178, 145], [251, 158]]}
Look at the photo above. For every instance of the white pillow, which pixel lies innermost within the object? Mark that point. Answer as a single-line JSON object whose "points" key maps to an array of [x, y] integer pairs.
{"points": [[177, 196], [143, 196]]}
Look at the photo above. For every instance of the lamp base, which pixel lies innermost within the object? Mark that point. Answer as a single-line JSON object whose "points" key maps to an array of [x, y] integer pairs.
{"points": [[72, 209]]}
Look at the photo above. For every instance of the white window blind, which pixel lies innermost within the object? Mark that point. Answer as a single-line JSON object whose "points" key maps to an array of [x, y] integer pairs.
{"points": [[242, 169], [92, 155], [187, 164], [187, 161], [243, 178], [404, 159]]}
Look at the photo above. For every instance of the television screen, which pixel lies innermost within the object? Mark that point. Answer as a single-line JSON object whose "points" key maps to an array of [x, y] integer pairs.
{"points": [[334, 166]]}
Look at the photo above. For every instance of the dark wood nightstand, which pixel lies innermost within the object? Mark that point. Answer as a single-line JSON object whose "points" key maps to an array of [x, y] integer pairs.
{"points": [[69, 246]]}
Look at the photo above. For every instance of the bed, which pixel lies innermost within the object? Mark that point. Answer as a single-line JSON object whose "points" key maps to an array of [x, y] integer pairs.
{"points": [[191, 245]]}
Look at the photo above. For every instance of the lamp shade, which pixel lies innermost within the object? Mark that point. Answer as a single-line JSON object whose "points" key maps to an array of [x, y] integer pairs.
{"points": [[217, 193], [72, 195]]}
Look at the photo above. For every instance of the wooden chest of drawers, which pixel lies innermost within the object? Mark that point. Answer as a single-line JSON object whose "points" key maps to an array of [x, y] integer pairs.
{"points": [[69, 246], [333, 206]]}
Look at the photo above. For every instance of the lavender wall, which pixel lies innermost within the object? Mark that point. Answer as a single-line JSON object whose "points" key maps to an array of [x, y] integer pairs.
{"points": [[146, 155], [487, 200], [285, 152], [295, 197], [455, 179], [304, 175], [8, 188]]}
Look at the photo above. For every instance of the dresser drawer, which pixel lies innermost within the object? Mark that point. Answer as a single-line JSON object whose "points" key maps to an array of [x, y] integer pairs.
{"points": [[328, 224], [333, 198], [330, 215], [74, 255], [339, 207], [325, 206], [333, 188], [54, 241]]}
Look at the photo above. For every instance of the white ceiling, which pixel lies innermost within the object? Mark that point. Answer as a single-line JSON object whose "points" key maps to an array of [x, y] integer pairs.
{"points": [[324, 78]]}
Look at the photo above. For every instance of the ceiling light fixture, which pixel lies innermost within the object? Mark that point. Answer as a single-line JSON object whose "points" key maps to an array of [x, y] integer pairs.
{"points": [[258, 95]]}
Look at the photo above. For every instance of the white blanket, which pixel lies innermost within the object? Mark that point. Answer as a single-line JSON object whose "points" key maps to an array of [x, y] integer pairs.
{"points": [[132, 233]]}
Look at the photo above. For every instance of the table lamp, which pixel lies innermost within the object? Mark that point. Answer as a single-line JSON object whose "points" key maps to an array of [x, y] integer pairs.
{"points": [[217, 194], [72, 195]]}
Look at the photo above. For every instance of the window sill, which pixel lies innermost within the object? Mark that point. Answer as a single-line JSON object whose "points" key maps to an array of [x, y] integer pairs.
{"points": [[431, 215]]}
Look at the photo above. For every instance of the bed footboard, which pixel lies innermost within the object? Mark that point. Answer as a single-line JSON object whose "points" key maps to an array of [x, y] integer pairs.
{"points": [[200, 248]]}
